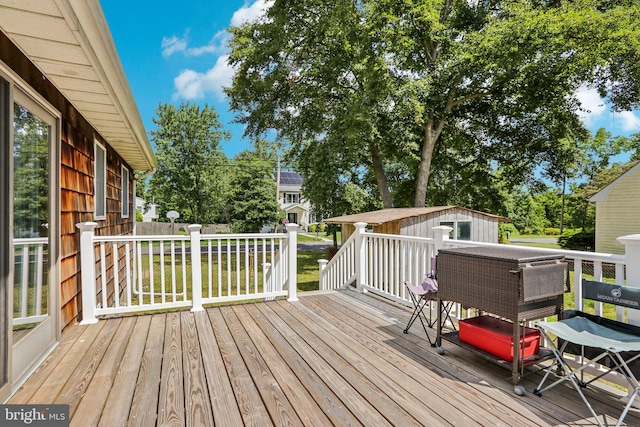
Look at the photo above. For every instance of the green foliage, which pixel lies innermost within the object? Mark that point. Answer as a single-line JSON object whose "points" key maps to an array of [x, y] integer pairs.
{"points": [[551, 231], [191, 175], [139, 217], [312, 228], [423, 101], [580, 241], [253, 194], [30, 174]]}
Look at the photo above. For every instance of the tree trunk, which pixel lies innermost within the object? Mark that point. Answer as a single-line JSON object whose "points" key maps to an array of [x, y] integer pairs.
{"points": [[428, 145], [381, 178]]}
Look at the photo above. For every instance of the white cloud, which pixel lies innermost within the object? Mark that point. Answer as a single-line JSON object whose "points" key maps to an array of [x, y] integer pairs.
{"points": [[630, 122], [250, 13], [593, 105], [173, 44], [193, 85]]}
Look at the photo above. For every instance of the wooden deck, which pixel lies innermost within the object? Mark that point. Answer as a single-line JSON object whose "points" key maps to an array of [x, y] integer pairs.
{"points": [[334, 358]]}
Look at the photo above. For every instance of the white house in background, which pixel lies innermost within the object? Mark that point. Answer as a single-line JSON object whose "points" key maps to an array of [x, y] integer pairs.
{"points": [[149, 211], [289, 187], [617, 207]]}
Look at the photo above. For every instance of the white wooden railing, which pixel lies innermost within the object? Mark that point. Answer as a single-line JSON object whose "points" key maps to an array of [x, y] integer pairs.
{"points": [[30, 279], [386, 261], [381, 263], [122, 274]]}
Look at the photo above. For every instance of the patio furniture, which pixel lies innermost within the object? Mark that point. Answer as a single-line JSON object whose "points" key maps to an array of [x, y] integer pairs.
{"points": [[421, 297], [515, 285], [613, 344]]}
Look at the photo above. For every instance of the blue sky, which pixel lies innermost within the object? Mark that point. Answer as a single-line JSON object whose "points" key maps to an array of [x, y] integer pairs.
{"points": [[174, 52]]}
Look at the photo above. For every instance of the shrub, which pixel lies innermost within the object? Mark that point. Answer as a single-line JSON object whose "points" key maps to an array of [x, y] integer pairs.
{"points": [[551, 231], [581, 241], [312, 228]]}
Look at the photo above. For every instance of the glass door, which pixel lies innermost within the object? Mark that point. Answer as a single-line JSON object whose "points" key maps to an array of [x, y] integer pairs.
{"points": [[34, 312], [5, 236]]}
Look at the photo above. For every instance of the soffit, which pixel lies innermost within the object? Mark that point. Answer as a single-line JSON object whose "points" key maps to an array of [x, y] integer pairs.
{"points": [[70, 43]]}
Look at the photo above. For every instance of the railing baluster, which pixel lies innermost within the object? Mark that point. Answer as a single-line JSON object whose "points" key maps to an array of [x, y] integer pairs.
{"points": [[209, 270], [24, 282], [163, 293], [228, 266], [152, 282], [116, 275], [140, 287], [219, 267], [127, 248], [39, 278], [184, 271], [103, 273], [174, 293]]}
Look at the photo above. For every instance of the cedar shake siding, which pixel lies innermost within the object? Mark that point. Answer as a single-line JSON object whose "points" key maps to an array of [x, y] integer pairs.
{"points": [[76, 180]]}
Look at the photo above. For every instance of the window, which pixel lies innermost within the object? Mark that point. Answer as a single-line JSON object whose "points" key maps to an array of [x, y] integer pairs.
{"points": [[125, 192], [461, 229], [100, 181], [291, 198]]}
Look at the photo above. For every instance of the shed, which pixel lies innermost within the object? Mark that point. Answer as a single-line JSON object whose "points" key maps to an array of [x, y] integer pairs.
{"points": [[617, 207], [467, 224]]}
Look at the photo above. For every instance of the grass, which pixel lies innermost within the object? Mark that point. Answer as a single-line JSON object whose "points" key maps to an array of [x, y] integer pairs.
{"points": [[308, 270]]}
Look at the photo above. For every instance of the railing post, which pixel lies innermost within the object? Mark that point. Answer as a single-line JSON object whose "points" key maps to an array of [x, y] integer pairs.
{"points": [[632, 257], [323, 264], [440, 234], [196, 267], [292, 230], [360, 255], [88, 272]]}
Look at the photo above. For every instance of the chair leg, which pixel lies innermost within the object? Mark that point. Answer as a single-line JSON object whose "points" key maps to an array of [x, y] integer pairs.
{"points": [[418, 313], [418, 305]]}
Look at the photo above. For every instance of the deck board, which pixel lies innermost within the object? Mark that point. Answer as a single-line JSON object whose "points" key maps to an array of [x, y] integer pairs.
{"points": [[332, 358], [220, 389], [171, 403], [144, 406], [118, 404]]}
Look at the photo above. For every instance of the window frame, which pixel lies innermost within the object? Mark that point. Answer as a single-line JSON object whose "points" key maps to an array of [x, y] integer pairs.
{"points": [[99, 194], [125, 179], [455, 225]]}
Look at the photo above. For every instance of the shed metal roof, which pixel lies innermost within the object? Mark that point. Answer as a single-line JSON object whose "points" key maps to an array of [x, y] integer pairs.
{"points": [[394, 214]]}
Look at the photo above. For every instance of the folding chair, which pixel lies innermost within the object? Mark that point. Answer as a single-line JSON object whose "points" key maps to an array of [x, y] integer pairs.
{"points": [[421, 296], [604, 341]]}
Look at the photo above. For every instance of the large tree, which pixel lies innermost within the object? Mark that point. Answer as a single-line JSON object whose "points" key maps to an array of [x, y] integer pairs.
{"points": [[191, 174], [467, 87]]}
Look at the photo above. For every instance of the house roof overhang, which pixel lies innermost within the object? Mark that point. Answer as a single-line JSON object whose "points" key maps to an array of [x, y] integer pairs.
{"points": [[602, 195], [394, 214], [70, 43]]}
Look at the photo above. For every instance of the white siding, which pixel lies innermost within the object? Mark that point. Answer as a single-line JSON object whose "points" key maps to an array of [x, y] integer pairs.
{"points": [[619, 214], [483, 228]]}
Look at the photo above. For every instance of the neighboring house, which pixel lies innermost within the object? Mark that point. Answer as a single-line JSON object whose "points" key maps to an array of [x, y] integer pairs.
{"points": [[149, 211], [71, 138], [467, 224], [297, 210], [617, 211]]}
